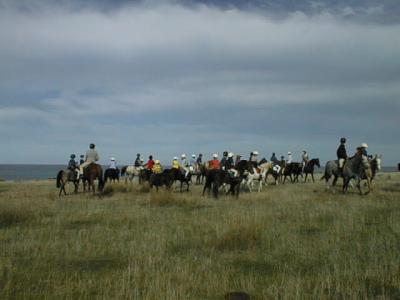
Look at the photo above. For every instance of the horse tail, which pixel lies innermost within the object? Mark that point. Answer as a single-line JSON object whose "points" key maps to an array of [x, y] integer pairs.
{"points": [[59, 177]]}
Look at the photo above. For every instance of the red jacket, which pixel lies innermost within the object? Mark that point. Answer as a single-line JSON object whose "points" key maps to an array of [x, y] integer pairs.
{"points": [[150, 164], [214, 164]]}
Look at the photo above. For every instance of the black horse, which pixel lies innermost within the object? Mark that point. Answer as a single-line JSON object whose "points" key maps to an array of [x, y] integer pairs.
{"points": [[217, 178], [243, 166], [144, 175], [162, 179], [112, 175], [309, 168], [65, 176], [178, 175], [293, 170]]}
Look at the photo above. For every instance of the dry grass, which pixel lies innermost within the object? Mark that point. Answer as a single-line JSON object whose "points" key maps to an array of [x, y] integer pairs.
{"points": [[289, 242]]}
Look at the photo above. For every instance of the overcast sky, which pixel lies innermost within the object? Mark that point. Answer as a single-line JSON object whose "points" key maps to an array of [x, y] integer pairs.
{"points": [[167, 78]]}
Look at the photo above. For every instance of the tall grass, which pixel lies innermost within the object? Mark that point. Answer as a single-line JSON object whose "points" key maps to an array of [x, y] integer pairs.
{"points": [[288, 242]]}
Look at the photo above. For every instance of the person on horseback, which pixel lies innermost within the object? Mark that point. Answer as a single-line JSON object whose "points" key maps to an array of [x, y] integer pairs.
{"points": [[254, 158], [364, 153], [113, 164], [185, 164], [157, 168], [214, 164], [73, 167], [274, 159], [150, 163], [289, 157], [223, 159], [304, 160], [341, 153], [82, 159], [229, 165], [199, 159], [138, 162], [175, 163], [91, 157]]}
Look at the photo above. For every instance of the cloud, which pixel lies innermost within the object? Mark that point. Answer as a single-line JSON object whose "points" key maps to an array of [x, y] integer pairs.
{"points": [[168, 79]]}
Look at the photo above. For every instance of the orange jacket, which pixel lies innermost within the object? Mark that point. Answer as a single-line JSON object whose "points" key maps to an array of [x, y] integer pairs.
{"points": [[214, 164]]}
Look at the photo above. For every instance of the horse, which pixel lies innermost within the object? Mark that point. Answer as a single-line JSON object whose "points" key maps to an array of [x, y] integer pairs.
{"points": [[375, 163], [256, 175], [352, 169], [159, 180], [92, 172], [243, 166], [144, 175], [309, 168], [112, 175], [201, 173], [270, 169], [216, 178], [130, 172], [63, 178], [177, 175], [294, 169]]}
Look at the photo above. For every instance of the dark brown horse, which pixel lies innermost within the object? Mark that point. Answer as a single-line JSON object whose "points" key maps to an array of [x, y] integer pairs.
{"points": [[65, 176], [90, 174], [309, 168]]}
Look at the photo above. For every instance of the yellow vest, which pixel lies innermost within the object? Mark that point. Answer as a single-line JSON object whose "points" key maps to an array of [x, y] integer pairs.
{"points": [[157, 169], [175, 164]]}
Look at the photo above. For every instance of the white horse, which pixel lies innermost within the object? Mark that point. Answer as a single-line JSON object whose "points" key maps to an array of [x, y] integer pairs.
{"points": [[130, 172], [256, 176]]}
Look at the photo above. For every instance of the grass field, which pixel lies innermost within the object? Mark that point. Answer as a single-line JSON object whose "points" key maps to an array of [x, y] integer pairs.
{"points": [[287, 242]]}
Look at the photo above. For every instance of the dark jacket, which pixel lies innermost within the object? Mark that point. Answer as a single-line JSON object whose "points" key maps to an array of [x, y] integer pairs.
{"points": [[341, 152], [274, 160], [229, 163], [137, 162], [72, 164]]}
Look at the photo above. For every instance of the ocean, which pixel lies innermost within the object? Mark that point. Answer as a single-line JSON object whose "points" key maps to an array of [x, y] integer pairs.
{"points": [[37, 172]]}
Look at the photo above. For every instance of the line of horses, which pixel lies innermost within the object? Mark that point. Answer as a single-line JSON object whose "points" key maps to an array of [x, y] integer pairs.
{"points": [[245, 175]]}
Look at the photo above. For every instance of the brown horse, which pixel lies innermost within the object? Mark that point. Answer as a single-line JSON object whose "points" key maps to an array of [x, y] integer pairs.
{"points": [[90, 174], [63, 177]]}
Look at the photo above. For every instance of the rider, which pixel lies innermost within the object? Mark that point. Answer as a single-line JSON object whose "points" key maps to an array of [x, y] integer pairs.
{"points": [[137, 161], [82, 159], [304, 159], [185, 164], [113, 164], [91, 157], [363, 150], [341, 153], [150, 163], [238, 159], [229, 165], [223, 159], [73, 167], [157, 168], [254, 158], [214, 163], [193, 163], [199, 159], [289, 157], [274, 160], [175, 163]]}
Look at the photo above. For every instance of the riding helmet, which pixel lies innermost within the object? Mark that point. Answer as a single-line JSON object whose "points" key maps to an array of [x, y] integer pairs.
{"points": [[91, 146], [364, 145], [343, 140], [72, 155]]}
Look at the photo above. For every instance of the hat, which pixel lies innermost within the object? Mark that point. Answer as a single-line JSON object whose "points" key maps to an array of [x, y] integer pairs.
{"points": [[82, 155], [289, 153], [230, 154], [193, 155], [215, 155], [175, 158], [183, 156], [112, 158], [72, 155], [141, 160], [200, 154], [343, 140], [138, 154], [364, 145], [157, 161], [91, 146], [255, 152]]}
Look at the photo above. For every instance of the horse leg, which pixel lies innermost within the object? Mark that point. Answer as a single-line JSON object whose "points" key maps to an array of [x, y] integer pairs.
{"points": [[305, 178], [312, 177]]}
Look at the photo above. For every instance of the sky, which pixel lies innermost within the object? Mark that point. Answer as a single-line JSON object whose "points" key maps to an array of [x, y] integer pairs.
{"points": [[173, 77]]}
